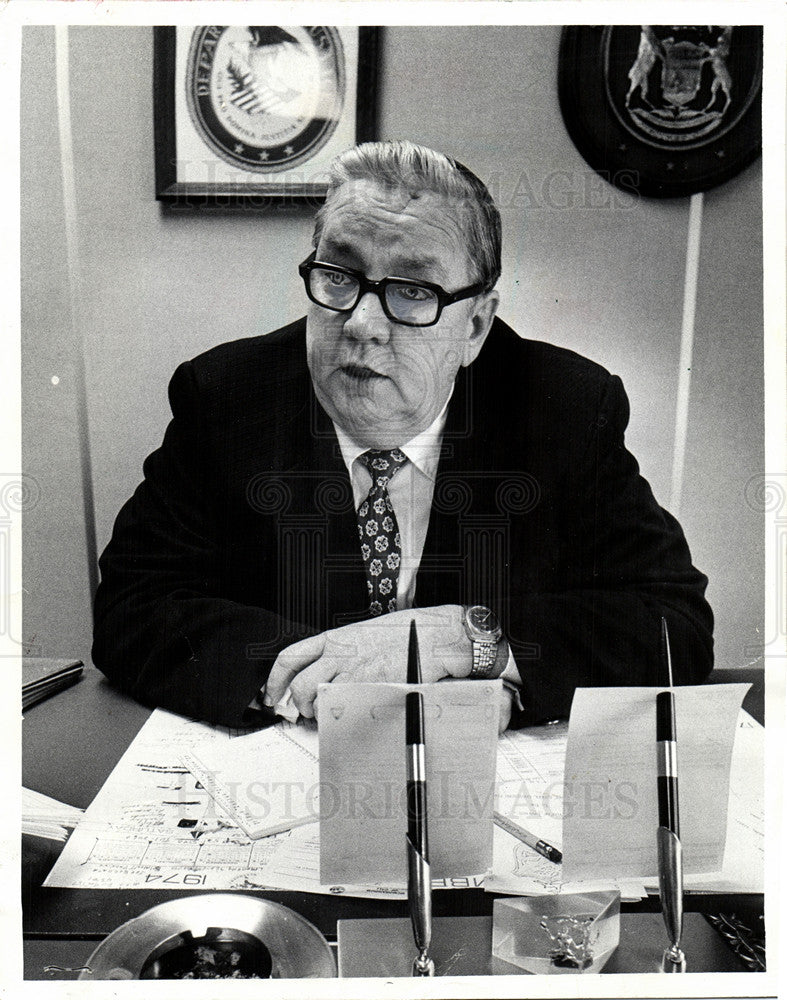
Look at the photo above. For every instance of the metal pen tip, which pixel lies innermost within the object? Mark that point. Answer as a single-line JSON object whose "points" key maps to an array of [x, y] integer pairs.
{"points": [[665, 651], [413, 656]]}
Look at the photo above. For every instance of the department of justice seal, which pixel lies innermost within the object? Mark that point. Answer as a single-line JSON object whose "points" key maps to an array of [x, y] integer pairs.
{"points": [[265, 98]]}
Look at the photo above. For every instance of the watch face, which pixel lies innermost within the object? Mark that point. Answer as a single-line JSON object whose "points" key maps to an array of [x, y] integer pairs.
{"points": [[482, 619], [265, 98]]}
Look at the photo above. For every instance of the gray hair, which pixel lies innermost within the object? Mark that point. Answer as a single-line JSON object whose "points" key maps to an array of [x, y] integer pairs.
{"points": [[402, 164]]}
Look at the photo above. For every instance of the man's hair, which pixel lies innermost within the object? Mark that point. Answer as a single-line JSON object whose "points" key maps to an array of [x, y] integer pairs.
{"points": [[413, 168]]}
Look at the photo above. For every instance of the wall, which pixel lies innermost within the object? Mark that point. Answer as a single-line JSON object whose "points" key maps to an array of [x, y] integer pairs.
{"points": [[585, 266]]}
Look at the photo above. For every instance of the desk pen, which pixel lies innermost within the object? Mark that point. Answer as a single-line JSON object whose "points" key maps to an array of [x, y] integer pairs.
{"points": [[419, 881], [670, 851]]}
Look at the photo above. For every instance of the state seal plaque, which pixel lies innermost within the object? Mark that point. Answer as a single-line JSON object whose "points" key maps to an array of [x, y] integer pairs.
{"points": [[663, 110], [245, 111]]}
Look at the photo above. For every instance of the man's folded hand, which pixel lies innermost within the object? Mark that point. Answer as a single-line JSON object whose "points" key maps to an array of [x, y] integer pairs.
{"points": [[371, 651]]}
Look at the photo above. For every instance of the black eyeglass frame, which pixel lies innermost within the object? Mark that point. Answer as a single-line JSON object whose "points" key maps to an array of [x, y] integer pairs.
{"points": [[378, 288]]}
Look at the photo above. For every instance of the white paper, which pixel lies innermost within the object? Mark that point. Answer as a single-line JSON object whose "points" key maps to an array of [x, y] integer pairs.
{"points": [[530, 765], [363, 821], [152, 823], [529, 789], [36, 806], [744, 855], [294, 864], [611, 806], [267, 781], [131, 835]]}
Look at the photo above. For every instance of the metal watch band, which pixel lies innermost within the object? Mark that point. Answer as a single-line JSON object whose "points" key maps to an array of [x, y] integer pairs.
{"points": [[484, 656]]}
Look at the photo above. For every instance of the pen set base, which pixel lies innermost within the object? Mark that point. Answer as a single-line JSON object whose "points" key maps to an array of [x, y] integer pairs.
{"points": [[462, 946], [673, 960], [423, 966]]}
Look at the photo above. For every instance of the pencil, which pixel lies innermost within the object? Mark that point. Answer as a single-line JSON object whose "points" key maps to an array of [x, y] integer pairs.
{"points": [[544, 849]]}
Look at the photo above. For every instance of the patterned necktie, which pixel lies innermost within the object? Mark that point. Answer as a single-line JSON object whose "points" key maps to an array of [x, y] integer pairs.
{"points": [[381, 546]]}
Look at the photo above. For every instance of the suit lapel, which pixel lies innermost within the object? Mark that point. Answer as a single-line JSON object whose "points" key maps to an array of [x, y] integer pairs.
{"points": [[466, 552], [321, 581], [329, 506], [441, 576]]}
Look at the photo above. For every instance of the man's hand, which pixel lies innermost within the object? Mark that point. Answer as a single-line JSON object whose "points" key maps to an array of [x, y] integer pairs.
{"points": [[373, 651]]}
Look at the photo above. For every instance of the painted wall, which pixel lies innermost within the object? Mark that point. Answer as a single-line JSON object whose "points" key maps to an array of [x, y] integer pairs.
{"points": [[584, 266]]}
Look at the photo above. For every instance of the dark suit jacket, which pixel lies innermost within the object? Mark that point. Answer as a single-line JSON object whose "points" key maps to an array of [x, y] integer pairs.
{"points": [[242, 537]]}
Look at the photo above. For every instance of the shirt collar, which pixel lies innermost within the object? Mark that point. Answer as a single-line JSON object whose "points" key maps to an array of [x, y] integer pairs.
{"points": [[423, 450]]}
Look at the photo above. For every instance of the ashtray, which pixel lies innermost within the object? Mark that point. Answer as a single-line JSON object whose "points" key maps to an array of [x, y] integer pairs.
{"points": [[213, 936]]}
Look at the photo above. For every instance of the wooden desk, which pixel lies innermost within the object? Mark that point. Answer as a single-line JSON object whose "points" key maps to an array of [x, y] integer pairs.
{"points": [[72, 742]]}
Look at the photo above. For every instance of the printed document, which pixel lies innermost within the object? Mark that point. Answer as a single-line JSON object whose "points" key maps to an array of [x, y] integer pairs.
{"points": [[611, 803]]}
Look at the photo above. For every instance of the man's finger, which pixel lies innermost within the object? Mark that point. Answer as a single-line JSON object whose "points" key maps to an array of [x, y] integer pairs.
{"points": [[304, 685], [290, 662]]}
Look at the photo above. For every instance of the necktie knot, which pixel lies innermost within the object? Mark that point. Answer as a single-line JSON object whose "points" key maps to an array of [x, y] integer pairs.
{"points": [[383, 465]]}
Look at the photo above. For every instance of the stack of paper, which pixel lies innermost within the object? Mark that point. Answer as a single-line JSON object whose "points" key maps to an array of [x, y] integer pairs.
{"points": [[46, 817], [267, 781], [155, 824], [529, 792], [42, 678], [363, 778]]}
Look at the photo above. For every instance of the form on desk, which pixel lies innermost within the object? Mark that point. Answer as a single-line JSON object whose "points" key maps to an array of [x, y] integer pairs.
{"points": [[530, 764], [153, 824], [612, 810]]}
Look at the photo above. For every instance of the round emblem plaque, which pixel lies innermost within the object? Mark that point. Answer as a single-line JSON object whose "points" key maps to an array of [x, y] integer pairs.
{"points": [[265, 98], [663, 110]]}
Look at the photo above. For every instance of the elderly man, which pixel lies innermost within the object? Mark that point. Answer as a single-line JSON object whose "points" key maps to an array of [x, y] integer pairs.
{"points": [[400, 454]]}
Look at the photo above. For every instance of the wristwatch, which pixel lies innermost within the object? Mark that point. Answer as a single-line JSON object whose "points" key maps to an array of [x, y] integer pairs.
{"points": [[484, 632]]}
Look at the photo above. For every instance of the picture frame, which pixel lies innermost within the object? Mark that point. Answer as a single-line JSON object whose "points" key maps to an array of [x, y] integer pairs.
{"points": [[250, 117]]}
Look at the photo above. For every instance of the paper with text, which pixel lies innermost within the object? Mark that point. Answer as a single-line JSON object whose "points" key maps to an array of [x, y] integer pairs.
{"points": [[744, 855], [363, 821], [267, 781], [529, 791], [610, 799], [153, 825]]}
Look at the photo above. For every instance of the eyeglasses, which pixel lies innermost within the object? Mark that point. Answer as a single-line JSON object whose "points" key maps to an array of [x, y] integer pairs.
{"points": [[411, 303]]}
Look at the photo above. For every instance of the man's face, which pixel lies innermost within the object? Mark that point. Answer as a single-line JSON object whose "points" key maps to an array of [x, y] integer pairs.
{"points": [[383, 382]]}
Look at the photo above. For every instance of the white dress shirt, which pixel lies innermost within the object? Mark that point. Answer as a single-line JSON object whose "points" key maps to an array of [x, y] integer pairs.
{"points": [[411, 491]]}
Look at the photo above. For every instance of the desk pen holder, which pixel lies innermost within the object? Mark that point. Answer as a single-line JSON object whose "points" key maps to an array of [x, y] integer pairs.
{"points": [[566, 933]]}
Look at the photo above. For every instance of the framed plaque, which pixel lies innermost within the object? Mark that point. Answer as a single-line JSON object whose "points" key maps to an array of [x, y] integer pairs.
{"points": [[663, 110], [249, 115]]}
